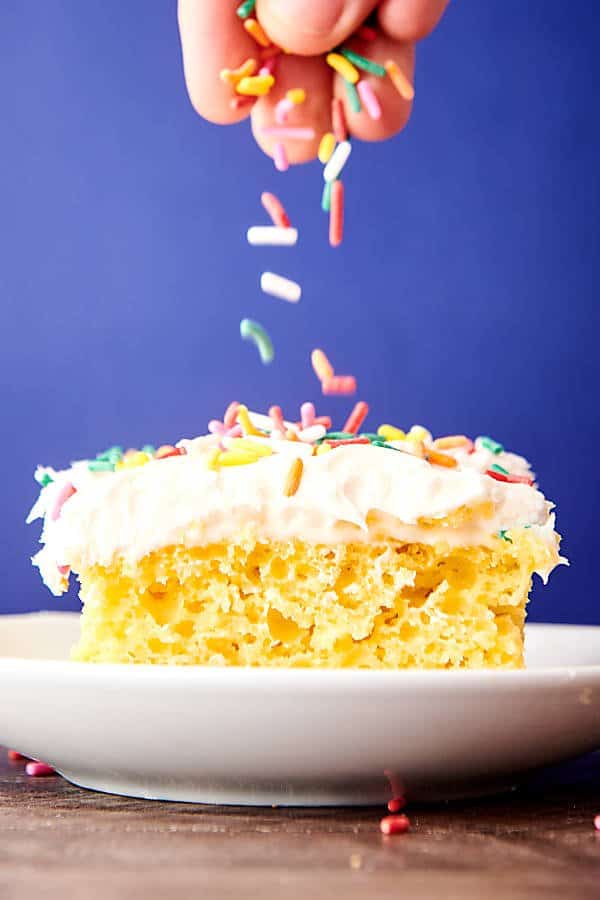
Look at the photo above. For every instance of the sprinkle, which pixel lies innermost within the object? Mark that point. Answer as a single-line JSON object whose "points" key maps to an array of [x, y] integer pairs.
{"points": [[241, 102], [250, 446], [394, 824], [230, 417], [396, 804], [282, 110], [357, 417], [101, 465], [255, 30], [323, 420], [338, 120], [338, 436], [326, 197], [244, 9], [42, 477], [15, 755], [321, 365], [272, 236], [268, 66], [38, 769], [391, 433], [440, 459], [339, 384], [280, 158], [237, 458], [294, 134], [150, 449], [369, 99], [167, 450], [510, 479], [251, 330], [366, 33], [338, 161], [496, 468], [293, 477], [275, 209], [296, 95], [490, 444], [312, 434], [418, 433], [323, 448], [353, 97], [113, 454], [255, 86], [307, 414], [243, 417], [212, 460], [452, 441], [64, 493], [503, 533], [276, 416], [367, 65], [399, 80], [336, 214], [233, 77], [326, 147], [597, 822], [132, 461], [343, 67], [281, 287], [344, 441]]}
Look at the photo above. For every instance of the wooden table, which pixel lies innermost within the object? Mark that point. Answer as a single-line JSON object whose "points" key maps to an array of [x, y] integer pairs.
{"points": [[57, 841]]}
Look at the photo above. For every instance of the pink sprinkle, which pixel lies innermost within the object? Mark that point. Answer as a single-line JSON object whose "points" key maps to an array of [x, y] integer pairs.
{"points": [[282, 110], [294, 134], [64, 570], [216, 427], [66, 491], [369, 99], [307, 415], [39, 769], [229, 419], [396, 804], [276, 417], [394, 824], [597, 822], [15, 755], [280, 158], [234, 431], [339, 384]]}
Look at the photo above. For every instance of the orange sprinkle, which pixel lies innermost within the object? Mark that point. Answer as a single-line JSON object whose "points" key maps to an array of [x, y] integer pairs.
{"points": [[321, 365], [336, 214], [291, 435], [338, 120], [233, 76], [399, 80], [275, 209], [440, 459], [356, 417], [452, 441], [294, 476], [276, 416], [255, 30]]}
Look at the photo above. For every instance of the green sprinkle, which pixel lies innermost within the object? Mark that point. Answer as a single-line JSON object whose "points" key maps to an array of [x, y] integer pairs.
{"points": [[100, 465], [244, 9], [113, 454], [385, 446], [353, 97], [496, 468], [371, 436], [326, 197], [150, 449], [363, 63], [503, 533], [44, 479], [336, 436], [526, 526], [490, 444], [253, 331]]}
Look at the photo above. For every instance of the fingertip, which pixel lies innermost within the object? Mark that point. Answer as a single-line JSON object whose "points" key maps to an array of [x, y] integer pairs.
{"points": [[410, 20]]}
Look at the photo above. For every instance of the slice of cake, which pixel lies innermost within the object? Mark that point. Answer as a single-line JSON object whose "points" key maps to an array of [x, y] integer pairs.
{"points": [[273, 543]]}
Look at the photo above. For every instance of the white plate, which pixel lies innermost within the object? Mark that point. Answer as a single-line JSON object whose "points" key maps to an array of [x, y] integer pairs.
{"points": [[295, 736]]}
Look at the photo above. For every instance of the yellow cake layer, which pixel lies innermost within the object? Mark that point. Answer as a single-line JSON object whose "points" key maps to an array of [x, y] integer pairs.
{"points": [[258, 603]]}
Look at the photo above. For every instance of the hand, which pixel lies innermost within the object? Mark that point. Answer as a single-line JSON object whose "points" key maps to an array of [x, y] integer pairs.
{"points": [[213, 38]]}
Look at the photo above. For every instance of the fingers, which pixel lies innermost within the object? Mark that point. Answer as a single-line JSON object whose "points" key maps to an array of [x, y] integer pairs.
{"points": [[311, 27], [395, 109], [212, 39], [315, 76], [410, 20]]}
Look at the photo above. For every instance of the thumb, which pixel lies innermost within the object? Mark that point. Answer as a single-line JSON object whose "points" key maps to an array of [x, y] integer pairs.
{"points": [[309, 27]]}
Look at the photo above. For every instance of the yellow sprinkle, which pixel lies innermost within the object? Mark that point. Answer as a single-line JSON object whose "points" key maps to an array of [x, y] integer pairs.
{"points": [[326, 147], [323, 448], [296, 95], [418, 433], [293, 478], [253, 28], [399, 80], [391, 433], [257, 86], [132, 461], [451, 441], [237, 458], [343, 66], [212, 460], [244, 419], [251, 446], [234, 76]]}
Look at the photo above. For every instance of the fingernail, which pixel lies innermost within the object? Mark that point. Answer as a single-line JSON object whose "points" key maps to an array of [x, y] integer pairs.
{"points": [[310, 18]]}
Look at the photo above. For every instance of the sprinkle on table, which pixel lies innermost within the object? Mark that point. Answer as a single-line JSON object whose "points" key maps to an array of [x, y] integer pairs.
{"points": [[390, 825], [39, 769]]}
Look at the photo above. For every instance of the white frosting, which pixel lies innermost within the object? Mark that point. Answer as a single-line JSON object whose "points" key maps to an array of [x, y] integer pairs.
{"points": [[352, 493]]}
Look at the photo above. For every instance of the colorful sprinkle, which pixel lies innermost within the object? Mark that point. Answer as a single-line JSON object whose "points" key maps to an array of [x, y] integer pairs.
{"points": [[394, 824], [396, 804], [343, 442], [326, 197], [43, 478], [280, 158], [15, 756], [353, 97], [338, 120], [253, 331], [282, 110], [231, 414], [293, 477], [272, 236], [440, 459], [326, 147], [64, 493], [278, 286], [336, 214], [291, 133], [275, 209], [39, 769], [255, 85], [233, 77], [296, 96], [510, 479], [361, 62], [369, 99], [496, 468], [321, 365], [100, 465], [503, 533], [490, 444], [337, 162], [245, 9], [339, 384], [391, 433], [255, 30], [597, 822], [342, 66], [399, 80], [357, 417], [307, 415], [167, 450], [276, 416], [452, 441]]}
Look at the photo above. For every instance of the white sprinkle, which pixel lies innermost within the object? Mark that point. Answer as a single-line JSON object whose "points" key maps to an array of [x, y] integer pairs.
{"points": [[338, 160], [280, 287], [312, 433], [272, 235]]}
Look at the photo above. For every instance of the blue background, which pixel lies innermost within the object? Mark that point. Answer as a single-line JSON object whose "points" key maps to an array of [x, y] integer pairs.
{"points": [[464, 297]]}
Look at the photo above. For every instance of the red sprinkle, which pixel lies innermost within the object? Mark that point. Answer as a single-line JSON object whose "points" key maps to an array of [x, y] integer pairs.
{"points": [[511, 479], [15, 755], [366, 33], [167, 450], [343, 441], [230, 417], [338, 120], [394, 824], [336, 214], [356, 417], [396, 804], [275, 209], [39, 769], [339, 384], [66, 491], [597, 822]]}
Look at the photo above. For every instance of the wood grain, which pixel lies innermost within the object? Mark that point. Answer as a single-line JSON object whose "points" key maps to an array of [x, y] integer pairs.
{"points": [[57, 841]]}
